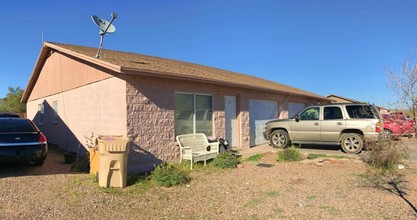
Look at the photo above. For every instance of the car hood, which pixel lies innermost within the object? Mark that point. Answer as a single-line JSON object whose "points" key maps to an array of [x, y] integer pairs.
{"points": [[280, 120]]}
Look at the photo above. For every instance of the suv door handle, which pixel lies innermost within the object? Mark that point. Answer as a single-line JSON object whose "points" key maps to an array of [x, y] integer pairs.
{"points": [[339, 123], [316, 123]]}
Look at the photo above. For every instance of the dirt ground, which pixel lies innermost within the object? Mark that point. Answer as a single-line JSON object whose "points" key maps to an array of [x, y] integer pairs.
{"points": [[326, 188]]}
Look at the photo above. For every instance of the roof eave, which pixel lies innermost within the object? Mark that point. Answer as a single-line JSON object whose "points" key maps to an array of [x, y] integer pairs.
{"points": [[48, 47], [340, 97], [145, 72], [92, 60], [43, 56]]}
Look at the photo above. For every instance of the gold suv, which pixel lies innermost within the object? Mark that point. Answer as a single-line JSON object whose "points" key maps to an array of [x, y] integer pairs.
{"points": [[348, 125]]}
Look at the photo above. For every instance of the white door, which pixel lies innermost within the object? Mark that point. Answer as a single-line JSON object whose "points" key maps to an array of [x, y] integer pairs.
{"points": [[260, 112], [294, 108], [231, 125]]}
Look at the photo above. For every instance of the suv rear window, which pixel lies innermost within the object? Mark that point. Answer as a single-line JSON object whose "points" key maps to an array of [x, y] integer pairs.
{"points": [[332, 113], [360, 111], [7, 126]]}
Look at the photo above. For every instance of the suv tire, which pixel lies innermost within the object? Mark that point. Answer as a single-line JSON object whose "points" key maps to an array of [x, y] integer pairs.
{"points": [[279, 139], [352, 143]]}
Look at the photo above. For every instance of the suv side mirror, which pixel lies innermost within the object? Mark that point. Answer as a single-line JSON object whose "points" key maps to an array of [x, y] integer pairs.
{"points": [[297, 118]]}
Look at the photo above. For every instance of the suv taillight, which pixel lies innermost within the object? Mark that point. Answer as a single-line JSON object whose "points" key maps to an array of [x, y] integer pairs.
{"points": [[42, 138], [378, 127]]}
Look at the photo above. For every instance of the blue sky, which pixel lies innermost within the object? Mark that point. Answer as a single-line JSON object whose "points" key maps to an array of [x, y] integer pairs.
{"points": [[324, 46]]}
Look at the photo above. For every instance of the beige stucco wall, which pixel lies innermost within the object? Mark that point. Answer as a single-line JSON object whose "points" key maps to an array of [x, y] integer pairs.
{"points": [[339, 100], [62, 73], [88, 100], [98, 107]]}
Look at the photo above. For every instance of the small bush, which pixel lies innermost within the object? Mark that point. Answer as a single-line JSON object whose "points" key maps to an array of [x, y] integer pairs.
{"points": [[289, 154], [255, 158], [225, 161], [168, 175], [386, 155]]}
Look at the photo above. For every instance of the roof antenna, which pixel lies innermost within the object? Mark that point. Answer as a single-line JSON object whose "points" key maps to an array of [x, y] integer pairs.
{"points": [[105, 27]]}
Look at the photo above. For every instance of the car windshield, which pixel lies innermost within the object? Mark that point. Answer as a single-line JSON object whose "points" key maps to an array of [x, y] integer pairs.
{"points": [[7, 126], [360, 111]]}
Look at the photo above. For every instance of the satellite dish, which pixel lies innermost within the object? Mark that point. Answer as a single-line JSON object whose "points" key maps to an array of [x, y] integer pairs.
{"points": [[105, 27]]}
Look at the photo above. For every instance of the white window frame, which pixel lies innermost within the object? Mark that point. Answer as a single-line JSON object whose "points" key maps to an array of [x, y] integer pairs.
{"points": [[41, 112], [55, 113], [194, 109]]}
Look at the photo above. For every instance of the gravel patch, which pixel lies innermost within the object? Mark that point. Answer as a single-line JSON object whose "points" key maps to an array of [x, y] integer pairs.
{"points": [[313, 189]]}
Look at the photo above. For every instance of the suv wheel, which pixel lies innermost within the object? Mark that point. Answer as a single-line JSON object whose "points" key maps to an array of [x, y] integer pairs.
{"points": [[279, 139], [351, 143]]}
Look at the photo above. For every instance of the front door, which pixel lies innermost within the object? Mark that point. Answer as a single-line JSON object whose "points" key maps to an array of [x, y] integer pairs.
{"points": [[307, 128], [231, 125]]}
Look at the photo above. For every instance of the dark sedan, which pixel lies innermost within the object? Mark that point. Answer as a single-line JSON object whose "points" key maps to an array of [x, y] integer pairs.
{"points": [[21, 142], [9, 115]]}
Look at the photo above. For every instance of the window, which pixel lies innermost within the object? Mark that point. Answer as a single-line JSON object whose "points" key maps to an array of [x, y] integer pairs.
{"points": [[193, 114], [332, 113], [360, 111], [55, 115], [310, 114], [41, 112]]}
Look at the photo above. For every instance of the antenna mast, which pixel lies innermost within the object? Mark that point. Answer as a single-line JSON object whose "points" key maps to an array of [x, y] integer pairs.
{"points": [[105, 27]]}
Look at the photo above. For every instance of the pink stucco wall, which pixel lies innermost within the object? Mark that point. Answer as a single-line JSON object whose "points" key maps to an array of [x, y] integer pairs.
{"points": [[150, 113], [140, 107], [150, 116]]}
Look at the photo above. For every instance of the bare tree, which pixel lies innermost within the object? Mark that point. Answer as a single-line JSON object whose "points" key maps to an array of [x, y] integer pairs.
{"points": [[404, 85]]}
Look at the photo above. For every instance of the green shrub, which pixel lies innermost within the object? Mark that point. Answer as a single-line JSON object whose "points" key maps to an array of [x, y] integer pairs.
{"points": [[386, 155], [289, 154], [255, 158], [225, 160], [168, 175]]}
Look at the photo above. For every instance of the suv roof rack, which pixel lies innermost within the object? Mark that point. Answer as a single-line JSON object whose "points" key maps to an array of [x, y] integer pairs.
{"points": [[342, 103]]}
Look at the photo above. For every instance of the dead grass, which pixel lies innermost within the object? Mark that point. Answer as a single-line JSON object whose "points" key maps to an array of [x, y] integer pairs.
{"points": [[335, 189]]}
